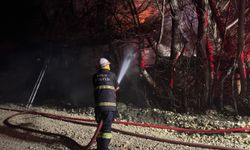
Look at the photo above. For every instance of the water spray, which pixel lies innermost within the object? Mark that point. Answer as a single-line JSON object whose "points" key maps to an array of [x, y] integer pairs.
{"points": [[130, 56]]}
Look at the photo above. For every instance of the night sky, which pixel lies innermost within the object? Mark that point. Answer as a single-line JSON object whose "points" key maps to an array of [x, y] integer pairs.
{"points": [[17, 19]]}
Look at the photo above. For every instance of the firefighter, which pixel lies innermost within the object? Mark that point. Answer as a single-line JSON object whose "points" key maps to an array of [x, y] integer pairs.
{"points": [[105, 87]]}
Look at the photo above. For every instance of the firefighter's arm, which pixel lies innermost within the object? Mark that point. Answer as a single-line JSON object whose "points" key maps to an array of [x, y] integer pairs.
{"points": [[116, 83], [117, 88]]}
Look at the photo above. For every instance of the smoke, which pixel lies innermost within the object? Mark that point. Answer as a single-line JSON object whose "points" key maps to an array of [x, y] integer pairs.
{"points": [[130, 56]]}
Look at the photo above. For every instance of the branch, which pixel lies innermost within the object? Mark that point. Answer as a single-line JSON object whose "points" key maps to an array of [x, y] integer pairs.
{"points": [[162, 11], [232, 24], [235, 21], [226, 5], [148, 78], [140, 9]]}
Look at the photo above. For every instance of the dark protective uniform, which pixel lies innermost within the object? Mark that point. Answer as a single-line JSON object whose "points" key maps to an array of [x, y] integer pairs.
{"points": [[105, 84]]}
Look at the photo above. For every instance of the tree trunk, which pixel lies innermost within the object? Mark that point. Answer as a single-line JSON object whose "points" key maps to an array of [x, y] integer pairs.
{"points": [[174, 44], [201, 50], [220, 27], [217, 19], [174, 39], [241, 32], [134, 14]]}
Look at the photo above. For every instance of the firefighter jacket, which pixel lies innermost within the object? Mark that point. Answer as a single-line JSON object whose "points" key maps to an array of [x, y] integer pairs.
{"points": [[105, 84]]}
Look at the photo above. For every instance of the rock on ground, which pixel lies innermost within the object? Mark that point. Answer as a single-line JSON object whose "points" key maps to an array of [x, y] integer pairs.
{"points": [[16, 139]]}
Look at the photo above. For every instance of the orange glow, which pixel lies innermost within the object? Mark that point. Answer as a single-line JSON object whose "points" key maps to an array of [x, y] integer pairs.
{"points": [[148, 13]]}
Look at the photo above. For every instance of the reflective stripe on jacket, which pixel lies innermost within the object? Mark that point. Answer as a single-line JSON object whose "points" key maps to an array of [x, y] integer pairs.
{"points": [[107, 87], [106, 104], [105, 135]]}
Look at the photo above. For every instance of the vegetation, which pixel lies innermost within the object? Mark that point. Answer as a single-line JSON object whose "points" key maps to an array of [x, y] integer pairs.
{"points": [[194, 54]]}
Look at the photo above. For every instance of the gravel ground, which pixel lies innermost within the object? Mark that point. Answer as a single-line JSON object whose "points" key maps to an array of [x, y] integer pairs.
{"points": [[16, 139]]}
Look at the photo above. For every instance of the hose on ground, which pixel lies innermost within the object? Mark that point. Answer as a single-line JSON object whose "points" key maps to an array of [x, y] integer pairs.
{"points": [[81, 121], [69, 142]]}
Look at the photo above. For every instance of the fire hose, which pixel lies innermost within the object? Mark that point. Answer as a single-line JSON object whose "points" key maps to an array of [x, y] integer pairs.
{"points": [[81, 121]]}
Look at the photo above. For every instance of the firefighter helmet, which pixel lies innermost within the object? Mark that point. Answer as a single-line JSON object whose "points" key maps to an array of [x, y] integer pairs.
{"points": [[103, 62]]}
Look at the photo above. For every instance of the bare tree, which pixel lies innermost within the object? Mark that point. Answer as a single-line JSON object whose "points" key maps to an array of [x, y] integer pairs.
{"points": [[240, 55], [201, 50], [175, 35]]}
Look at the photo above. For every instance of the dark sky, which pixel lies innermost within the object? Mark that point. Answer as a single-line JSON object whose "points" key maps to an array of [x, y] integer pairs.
{"points": [[17, 18]]}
